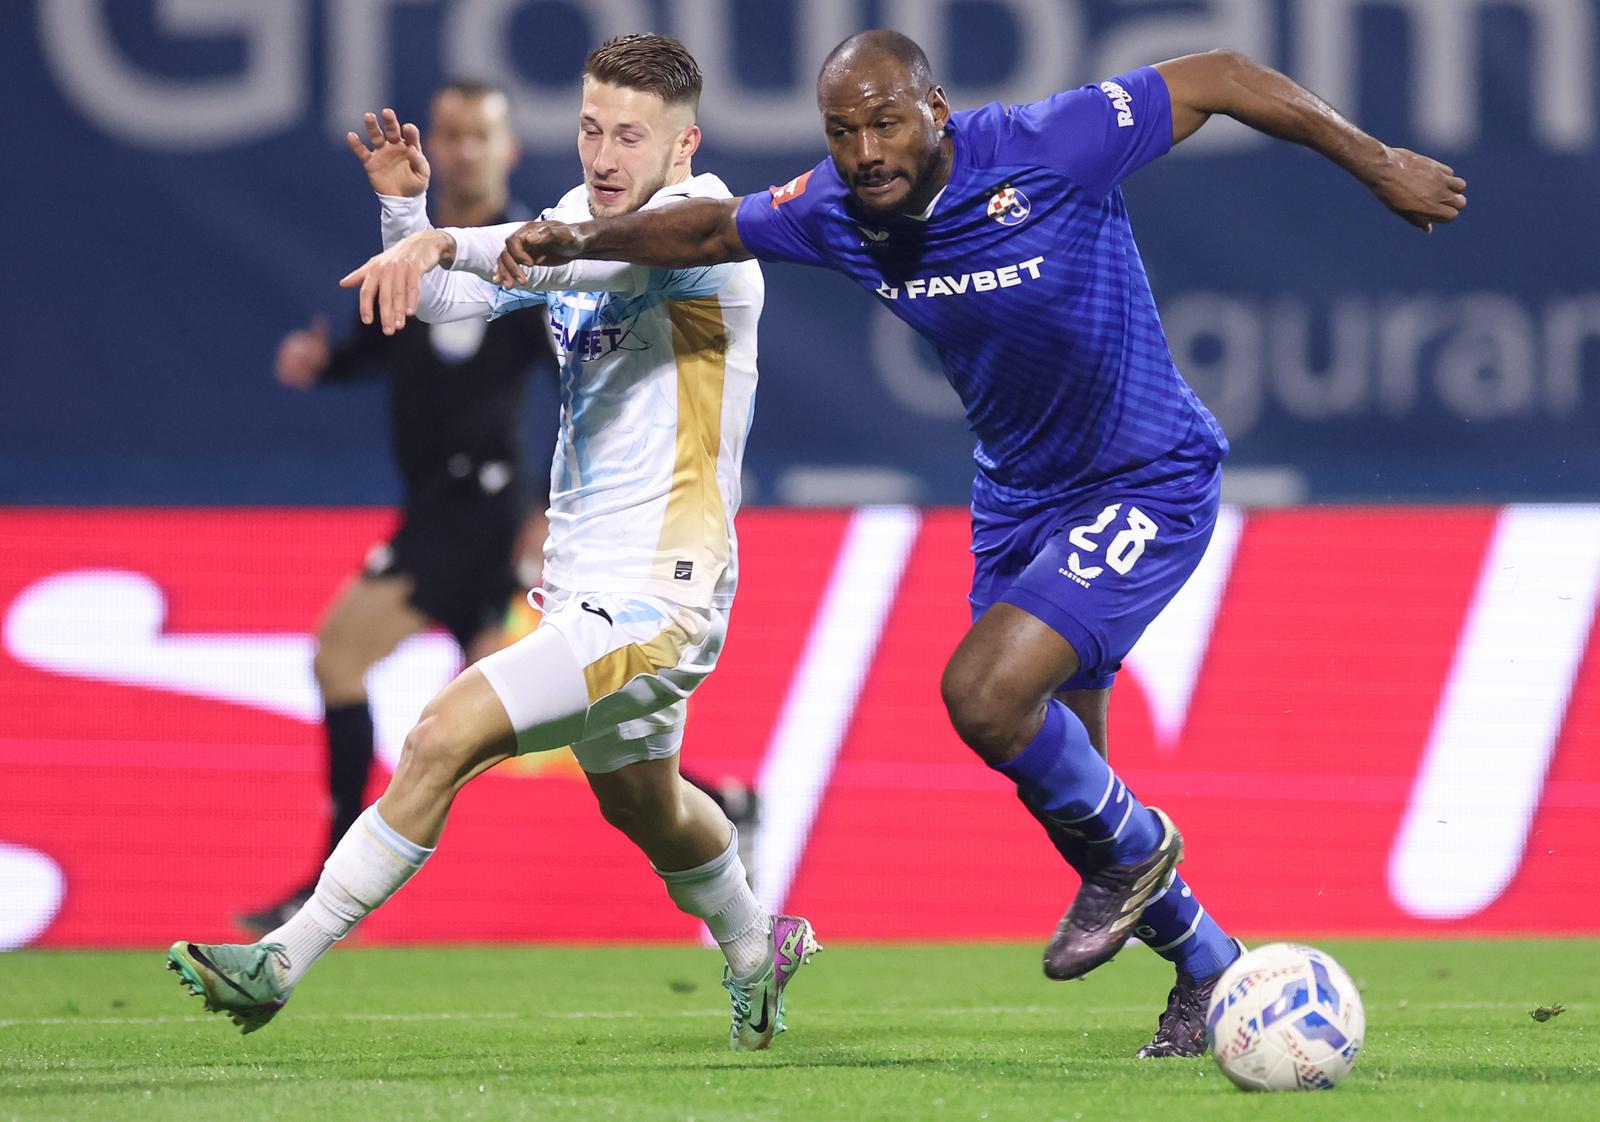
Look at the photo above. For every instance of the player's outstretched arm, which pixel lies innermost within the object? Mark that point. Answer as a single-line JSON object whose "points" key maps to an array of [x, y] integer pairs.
{"points": [[407, 279], [680, 235], [1418, 189]]}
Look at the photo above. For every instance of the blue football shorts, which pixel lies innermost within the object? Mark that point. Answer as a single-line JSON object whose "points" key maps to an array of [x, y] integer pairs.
{"points": [[1099, 568]]}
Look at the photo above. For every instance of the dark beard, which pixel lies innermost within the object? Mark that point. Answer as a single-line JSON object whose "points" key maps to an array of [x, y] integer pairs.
{"points": [[925, 173]]}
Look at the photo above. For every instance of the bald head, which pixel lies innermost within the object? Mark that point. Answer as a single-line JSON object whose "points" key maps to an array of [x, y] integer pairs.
{"points": [[872, 48], [884, 119]]}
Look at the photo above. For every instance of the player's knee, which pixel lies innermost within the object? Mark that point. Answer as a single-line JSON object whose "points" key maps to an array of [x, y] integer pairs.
{"points": [[990, 730], [326, 669], [436, 754], [338, 674], [985, 715]]}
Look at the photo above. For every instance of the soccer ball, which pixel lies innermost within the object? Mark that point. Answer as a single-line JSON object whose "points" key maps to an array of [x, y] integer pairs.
{"points": [[1285, 1018]]}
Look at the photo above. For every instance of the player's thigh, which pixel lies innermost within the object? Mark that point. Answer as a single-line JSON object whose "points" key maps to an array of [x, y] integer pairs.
{"points": [[609, 746], [540, 686], [368, 618], [606, 673], [642, 656], [1009, 655], [1110, 567]]}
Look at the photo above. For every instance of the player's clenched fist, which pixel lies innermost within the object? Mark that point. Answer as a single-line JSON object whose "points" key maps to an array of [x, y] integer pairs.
{"points": [[1420, 190], [391, 282], [536, 243]]}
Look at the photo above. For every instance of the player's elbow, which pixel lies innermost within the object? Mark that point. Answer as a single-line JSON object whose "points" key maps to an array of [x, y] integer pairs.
{"points": [[723, 247], [735, 251], [712, 252], [1227, 60], [1226, 70], [1208, 83]]}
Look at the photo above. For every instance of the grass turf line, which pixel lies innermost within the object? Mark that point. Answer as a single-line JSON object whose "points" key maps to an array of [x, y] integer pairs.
{"points": [[968, 1032]]}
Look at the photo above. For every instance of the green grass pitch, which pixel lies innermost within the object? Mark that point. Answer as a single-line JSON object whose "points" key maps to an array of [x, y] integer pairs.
{"points": [[877, 1033]]}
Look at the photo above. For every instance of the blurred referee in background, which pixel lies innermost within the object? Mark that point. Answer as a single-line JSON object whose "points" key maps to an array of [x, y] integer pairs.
{"points": [[462, 552]]}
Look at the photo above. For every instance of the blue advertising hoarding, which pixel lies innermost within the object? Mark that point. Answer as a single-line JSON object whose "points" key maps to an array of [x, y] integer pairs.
{"points": [[179, 196]]}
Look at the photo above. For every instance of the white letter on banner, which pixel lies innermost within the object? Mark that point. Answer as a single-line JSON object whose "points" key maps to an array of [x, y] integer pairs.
{"points": [[1048, 33], [1488, 369], [822, 695], [1246, 26], [1405, 328], [1231, 382], [1482, 773], [1446, 40], [760, 120], [32, 886], [1343, 388], [478, 41], [181, 114], [127, 613], [359, 58], [1169, 655], [1570, 325]]}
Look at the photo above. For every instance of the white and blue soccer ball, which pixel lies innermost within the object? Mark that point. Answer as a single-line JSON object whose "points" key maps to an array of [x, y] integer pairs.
{"points": [[1285, 1017]]}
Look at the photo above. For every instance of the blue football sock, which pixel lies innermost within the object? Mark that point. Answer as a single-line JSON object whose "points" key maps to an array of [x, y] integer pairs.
{"points": [[1177, 928], [1079, 854], [1061, 775]]}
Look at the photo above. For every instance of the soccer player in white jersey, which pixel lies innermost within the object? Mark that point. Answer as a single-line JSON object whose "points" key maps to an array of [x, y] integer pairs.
{"points": [[658, 383]]}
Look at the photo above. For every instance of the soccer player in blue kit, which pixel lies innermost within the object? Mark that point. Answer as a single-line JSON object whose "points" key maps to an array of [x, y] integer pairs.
{"points": [[1000, 234]]}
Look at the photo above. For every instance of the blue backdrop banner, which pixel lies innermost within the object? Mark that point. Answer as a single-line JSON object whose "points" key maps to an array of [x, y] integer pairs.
{"points": [[179, 196]]}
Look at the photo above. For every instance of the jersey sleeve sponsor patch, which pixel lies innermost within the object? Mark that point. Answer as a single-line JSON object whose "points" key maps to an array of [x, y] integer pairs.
{"points": [[1121, 103], [791, 190]]}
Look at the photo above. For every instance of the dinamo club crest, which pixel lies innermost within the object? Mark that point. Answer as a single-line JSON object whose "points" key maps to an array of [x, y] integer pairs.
{"points": [[1008, 206]]}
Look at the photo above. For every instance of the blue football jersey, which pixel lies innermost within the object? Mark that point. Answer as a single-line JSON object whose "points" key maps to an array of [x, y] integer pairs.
{"points": [[1025, 277]]}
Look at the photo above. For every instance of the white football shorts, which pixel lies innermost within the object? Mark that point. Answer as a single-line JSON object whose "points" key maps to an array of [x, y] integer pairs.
{"points": [[609, 673]]}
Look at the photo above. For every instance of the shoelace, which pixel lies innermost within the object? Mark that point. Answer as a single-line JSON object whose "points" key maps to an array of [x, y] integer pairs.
{"points": [[276, 954], [741, 998], [1103, 916], [1174, 1013], [1184, 998], [1174, 1000]]}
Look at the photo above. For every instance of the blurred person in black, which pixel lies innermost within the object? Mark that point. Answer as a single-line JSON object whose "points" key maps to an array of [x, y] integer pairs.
{"points": [[472, 522]]}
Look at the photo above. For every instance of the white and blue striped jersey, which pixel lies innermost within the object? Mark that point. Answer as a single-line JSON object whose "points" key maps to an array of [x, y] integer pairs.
{"points": [[658, 381]]}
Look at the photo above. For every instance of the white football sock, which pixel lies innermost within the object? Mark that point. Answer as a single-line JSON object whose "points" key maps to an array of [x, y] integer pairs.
{"points": [[718, 893], [368, 866]]}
